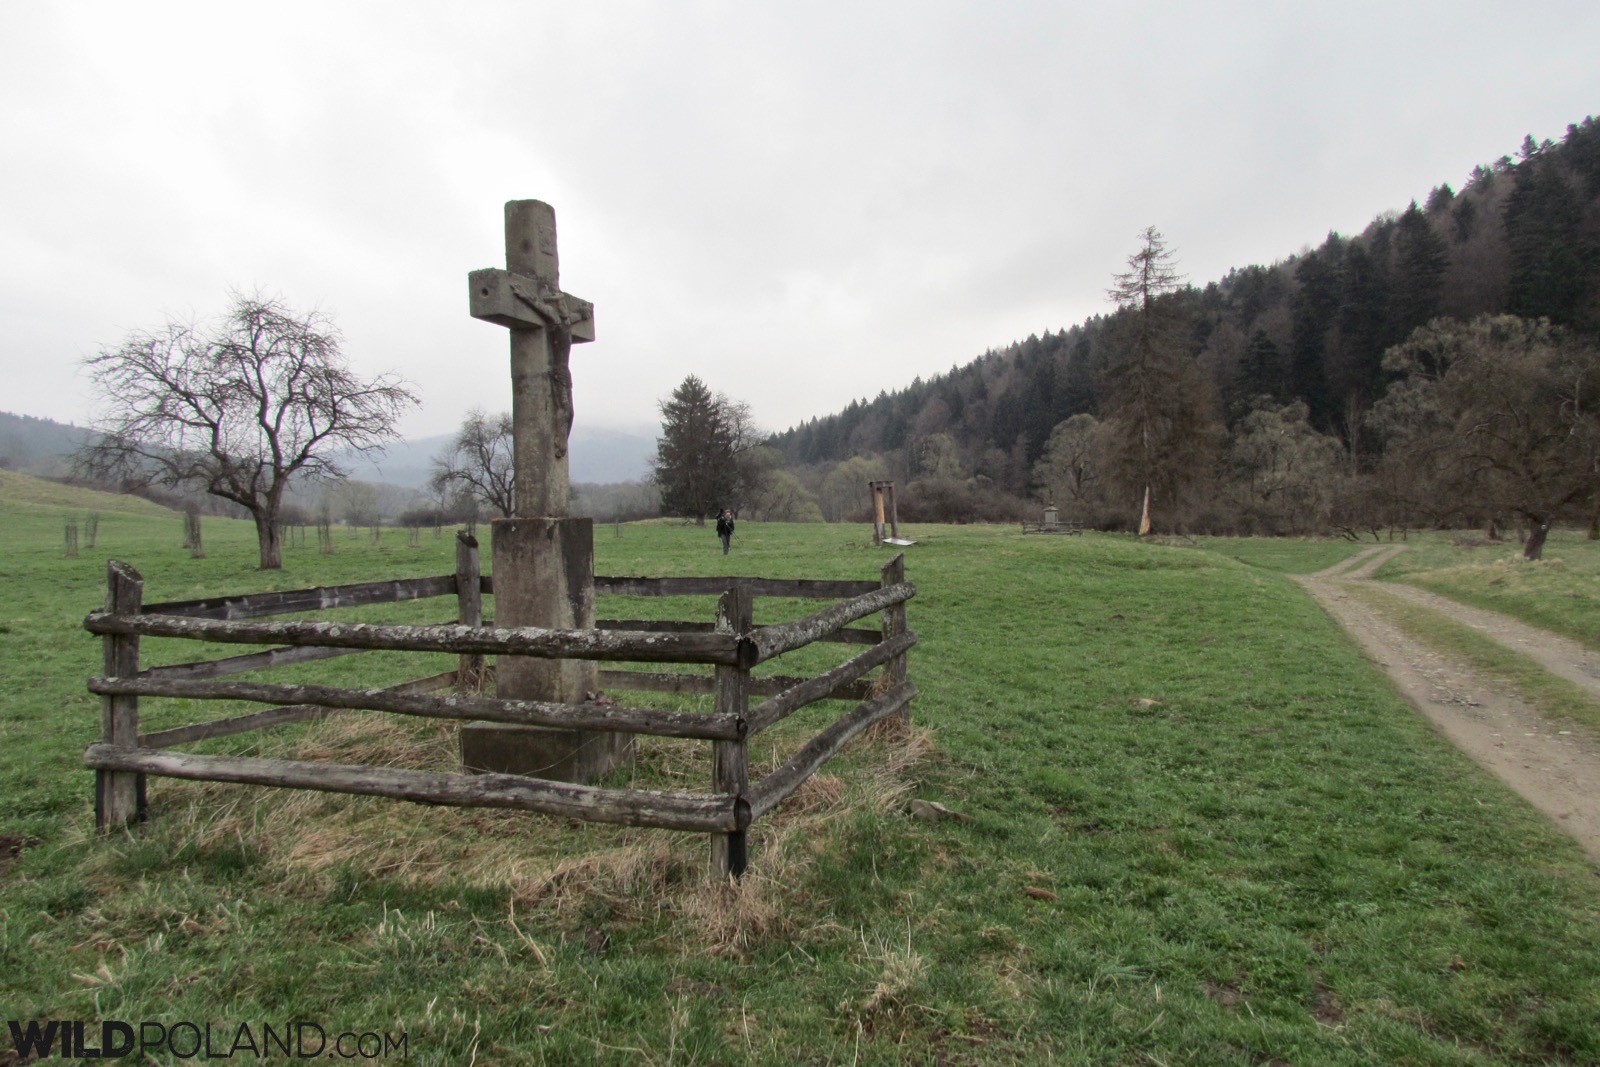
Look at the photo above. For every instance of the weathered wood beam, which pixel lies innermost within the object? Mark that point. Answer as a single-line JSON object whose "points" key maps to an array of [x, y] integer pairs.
{"points": [[119, 798], [260, 720], [469, 607], [730, 760], [321, 598], [846, 636], [586, 716], [822, 686], [503, 641], [776, 787], [894, 618], [656, 682], [253, 661], [800, 588], [646, 681], [784, 637], [239, 724], [625, 807]]}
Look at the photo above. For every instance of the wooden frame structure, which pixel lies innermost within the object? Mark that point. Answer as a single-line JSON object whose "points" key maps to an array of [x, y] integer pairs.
{"points": [[731, 644]]}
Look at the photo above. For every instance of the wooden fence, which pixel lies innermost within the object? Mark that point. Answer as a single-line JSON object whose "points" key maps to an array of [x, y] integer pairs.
{"points": [[731, 644]]}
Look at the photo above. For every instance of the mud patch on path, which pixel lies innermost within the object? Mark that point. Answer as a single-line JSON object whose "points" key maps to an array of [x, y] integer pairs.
{"points": [[1555, 768]]}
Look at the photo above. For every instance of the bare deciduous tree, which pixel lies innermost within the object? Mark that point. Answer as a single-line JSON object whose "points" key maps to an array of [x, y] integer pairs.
{"points": [[1069, 470], [480, 461], [237, 407]]}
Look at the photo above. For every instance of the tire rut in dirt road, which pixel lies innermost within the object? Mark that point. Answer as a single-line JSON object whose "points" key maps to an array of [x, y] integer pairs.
{"points": [[1559, 655], [1555, 767]]}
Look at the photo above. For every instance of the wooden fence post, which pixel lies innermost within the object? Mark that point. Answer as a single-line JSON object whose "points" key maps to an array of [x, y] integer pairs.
{"points": [[730, 760], [119, 796], [469, 601], [894, 624]]}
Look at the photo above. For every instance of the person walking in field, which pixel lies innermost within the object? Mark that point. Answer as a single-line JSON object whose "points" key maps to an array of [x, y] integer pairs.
{"points": [[725, 528]]}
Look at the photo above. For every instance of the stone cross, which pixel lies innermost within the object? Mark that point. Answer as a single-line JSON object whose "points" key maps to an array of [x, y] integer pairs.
{"points": [[543, 559], [545, 323]]}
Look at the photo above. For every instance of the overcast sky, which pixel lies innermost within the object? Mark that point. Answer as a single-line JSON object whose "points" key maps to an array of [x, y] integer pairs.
{"points": [[800, 203]]}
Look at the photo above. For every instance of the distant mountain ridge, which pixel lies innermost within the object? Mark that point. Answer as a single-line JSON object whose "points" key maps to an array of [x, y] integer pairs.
{"points": [[37, 446], [42, 446]]}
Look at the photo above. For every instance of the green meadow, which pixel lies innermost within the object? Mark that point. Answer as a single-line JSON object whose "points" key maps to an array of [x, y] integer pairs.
{"points": [[1197, 827]]}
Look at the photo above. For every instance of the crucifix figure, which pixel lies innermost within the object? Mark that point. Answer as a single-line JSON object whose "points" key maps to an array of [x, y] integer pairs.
{"points": [[543, 559], [545, 323]]}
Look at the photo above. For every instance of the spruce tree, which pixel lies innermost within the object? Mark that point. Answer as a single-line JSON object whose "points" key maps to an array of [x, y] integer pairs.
{"points": [[696, 455]]}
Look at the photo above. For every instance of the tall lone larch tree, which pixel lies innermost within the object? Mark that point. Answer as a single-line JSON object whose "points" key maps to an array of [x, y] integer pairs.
{"points": [[237, 407], [1157, 400]]}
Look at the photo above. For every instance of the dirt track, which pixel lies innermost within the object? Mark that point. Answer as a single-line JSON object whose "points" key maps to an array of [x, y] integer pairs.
{"points": [[1554, 765]]}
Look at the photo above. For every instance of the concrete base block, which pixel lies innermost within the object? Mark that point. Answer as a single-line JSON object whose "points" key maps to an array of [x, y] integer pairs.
{"points": [[584, 756], [543, 576]]}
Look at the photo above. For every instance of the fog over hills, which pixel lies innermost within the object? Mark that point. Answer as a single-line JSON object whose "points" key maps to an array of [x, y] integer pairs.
{"points": [[598, 455]]}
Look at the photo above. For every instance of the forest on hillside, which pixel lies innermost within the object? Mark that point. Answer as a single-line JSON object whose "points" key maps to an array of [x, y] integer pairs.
{"points": [[1292, 373]]}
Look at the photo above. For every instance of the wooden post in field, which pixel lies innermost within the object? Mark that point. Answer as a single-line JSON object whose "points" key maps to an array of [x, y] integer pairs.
{"points": [[469, 609], [894, 624], [119, 795], [730, 760], [884, 526]]}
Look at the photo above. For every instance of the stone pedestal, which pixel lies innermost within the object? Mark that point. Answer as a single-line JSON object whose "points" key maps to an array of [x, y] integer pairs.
{"points": [[543, 576]]}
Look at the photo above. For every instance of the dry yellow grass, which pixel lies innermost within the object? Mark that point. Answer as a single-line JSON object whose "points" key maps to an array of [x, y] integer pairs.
{"points": [[558, 866]]}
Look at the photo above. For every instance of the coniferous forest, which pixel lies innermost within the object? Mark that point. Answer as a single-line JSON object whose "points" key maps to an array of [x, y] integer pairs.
{"points": [[1289, 420]]}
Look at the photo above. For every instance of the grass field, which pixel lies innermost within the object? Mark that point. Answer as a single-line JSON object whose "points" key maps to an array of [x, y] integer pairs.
{"points": [[1203, 830]]}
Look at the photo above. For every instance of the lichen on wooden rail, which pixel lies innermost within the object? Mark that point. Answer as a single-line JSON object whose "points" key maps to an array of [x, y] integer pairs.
{"points": [[505, 641], [587, 716], [808, 690], [711, 813], [252, 661], [770, 641], [260, 720], [798, 588], [320, 598], [769, 686]]}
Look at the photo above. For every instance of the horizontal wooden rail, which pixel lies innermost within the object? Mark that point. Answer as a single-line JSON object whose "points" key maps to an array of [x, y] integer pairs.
{"points": [[519, 641], [776, 787], [587, 716], [784, 637], [799, 588], [260, 720], [812, 689], [845, 636], [253, 661], [712, 813], [321, 598], [653, 682], [238, 724]]}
